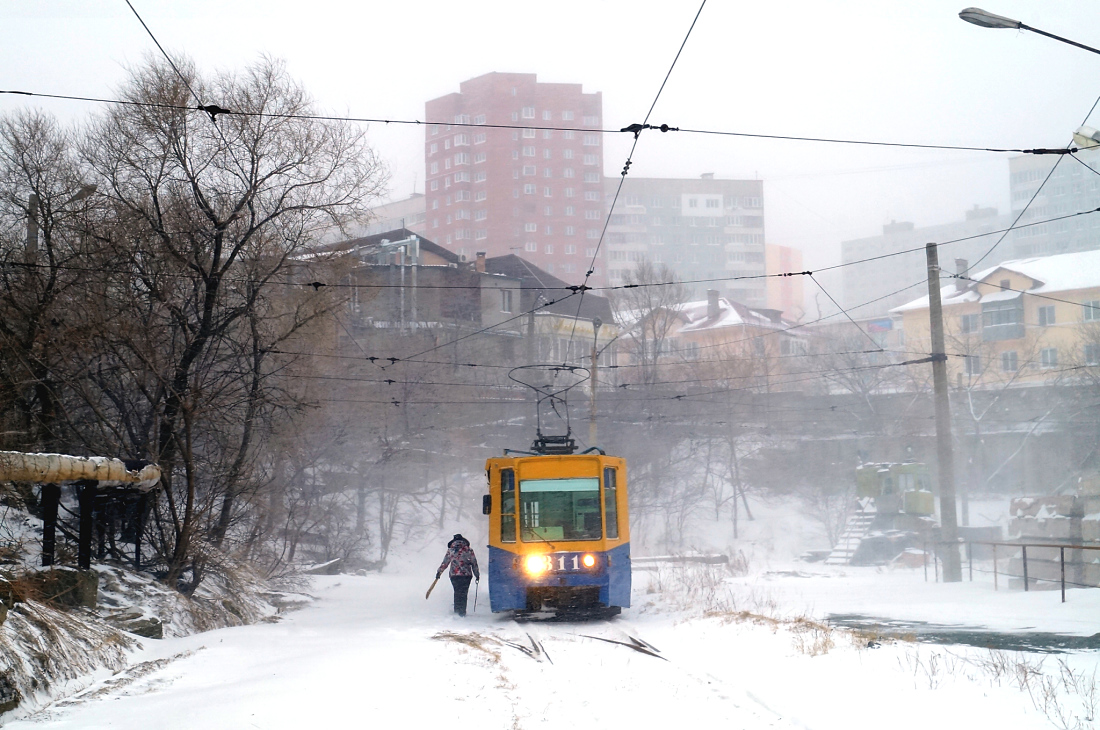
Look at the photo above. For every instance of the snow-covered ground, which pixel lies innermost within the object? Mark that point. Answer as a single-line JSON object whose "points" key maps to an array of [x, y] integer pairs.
{"points": [[371, 652]]}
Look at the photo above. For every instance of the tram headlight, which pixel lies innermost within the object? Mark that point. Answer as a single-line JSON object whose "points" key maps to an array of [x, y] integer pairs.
{"points": [[589, 560], [537, 564]]}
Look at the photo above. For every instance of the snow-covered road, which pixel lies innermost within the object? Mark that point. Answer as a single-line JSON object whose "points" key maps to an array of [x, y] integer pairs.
{"points": [[371, 652]]}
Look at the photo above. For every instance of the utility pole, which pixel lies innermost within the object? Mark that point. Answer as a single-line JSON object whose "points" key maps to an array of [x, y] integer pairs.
{"points": [[949, 530], [595, 365]]}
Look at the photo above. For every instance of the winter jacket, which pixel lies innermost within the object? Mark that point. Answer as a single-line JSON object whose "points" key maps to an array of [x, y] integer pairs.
{"points": [[460, 556]]}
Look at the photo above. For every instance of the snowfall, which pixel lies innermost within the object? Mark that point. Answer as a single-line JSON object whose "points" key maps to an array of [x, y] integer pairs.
{"points": [[701, 646]]}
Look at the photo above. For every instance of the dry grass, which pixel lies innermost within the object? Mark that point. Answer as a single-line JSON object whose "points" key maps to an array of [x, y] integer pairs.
{"points": [[473, 640], [42, 647]]}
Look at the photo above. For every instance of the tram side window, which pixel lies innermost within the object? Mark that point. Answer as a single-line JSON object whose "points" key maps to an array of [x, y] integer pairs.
{"points": [[610, 509], [507, 505]]}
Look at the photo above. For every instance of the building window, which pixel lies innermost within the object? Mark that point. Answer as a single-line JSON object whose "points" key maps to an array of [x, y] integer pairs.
{"points": [[592, 215], [447, 164], [548, 231], [528, 134], [531, 246], [567, 154], [1092, 354], [479, 119], [591, 140], [434, 168], [434, 185], [479, 158], [548, 210], [973, 365], [549, 248], [528, 151], [1092, 310], [713, 203], [591, 195], [434, 148], [528, 112], [969, 323], [592, 233], [570, 249], [530, 227], [567, 172], [547, 192], [480, 195], [479, 177], [462, 195], [529, 170], [567, 116], [547, 172], [1046, 316], [446, 144], [693, 203], [569, 191], [1009, 361], [462, 140], [479, 138], [567, 134], [1048, 357], [590, 159], [590, 252], [462, 177], [462, 158], [570, 230], [591, 177], [570, 210], [546, 154], [435, 204], [480, 215], [591, 121], [481, 234], [435, 129], [506, 300], [528, 189]]}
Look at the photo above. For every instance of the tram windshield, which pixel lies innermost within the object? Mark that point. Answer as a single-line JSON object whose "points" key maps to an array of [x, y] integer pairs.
{"points": [[559, 509]]}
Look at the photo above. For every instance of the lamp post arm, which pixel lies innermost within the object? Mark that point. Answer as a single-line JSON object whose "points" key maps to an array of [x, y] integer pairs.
{"points": [[1059, 38]]}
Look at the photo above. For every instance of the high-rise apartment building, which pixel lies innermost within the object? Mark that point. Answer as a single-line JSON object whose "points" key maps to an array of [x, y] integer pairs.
{"points": [[882, 272], [784, 293], [533, 191], [1072, 188], [703, 228]]}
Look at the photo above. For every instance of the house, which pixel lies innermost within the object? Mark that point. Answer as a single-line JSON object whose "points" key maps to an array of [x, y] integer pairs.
{"points": [[719, 339], [1022, 321], [561, 322]]}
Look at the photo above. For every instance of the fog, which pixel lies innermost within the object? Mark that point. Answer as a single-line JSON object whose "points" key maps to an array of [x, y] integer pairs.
{"points": [[851, 70], [317, 404]]}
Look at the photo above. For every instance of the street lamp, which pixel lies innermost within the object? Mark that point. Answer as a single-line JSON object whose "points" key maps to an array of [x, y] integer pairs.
{"points": [[31, 251], [985, 19]]}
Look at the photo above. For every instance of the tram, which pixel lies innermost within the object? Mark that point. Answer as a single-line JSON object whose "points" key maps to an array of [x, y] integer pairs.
{"points": [[558, 532]]}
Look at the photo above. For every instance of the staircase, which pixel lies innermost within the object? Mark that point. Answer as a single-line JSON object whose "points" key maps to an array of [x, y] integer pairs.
{"points": [[854, 532]]}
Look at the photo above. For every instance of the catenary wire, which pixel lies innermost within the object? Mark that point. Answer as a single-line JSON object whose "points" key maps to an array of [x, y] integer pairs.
{"points": [[591, 130]]}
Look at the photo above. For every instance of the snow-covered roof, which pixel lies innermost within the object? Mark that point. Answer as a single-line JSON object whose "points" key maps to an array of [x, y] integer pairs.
{"points": [[696, 316], [1064, 272]]}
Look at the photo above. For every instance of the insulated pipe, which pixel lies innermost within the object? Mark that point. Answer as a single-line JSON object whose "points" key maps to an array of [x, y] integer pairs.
{"points": [[58, 468]]}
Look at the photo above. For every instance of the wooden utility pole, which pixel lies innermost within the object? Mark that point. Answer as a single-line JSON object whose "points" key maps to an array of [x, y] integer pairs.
{"points": [[949, 530], [595, 365]]}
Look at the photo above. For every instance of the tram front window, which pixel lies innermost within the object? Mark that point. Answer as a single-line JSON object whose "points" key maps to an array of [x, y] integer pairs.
{"points": [[559, 509]]}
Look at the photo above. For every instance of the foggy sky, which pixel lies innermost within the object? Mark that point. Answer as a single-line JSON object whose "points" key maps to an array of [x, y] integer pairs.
{"points": [[892, 71]]}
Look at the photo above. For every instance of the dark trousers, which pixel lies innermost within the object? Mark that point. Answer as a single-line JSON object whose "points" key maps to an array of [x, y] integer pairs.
{"points": [[461, 585]]}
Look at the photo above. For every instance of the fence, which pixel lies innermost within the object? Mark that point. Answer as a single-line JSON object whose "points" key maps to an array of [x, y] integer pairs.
{"points": [[1085, 575]]}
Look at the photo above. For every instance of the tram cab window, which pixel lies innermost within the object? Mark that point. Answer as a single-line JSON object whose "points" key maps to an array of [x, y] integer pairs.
{"points": [[507, 505], [610, 507], [559, 509]]}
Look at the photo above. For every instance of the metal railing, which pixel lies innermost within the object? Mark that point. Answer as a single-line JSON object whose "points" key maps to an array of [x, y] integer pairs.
{"points": [[1022, 548]]}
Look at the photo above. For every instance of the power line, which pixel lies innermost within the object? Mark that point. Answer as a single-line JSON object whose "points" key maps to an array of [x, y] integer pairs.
{"points": [[630, 129], [637, 130]]}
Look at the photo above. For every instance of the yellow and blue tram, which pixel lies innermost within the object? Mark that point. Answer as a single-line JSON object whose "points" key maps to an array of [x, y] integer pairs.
{"points": [[558, 533]]}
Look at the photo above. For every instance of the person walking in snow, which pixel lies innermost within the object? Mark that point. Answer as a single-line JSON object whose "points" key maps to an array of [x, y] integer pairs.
{"points": [[460, 556]]}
